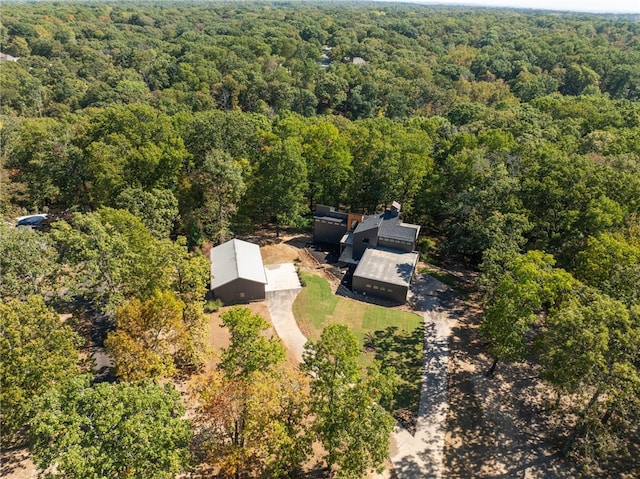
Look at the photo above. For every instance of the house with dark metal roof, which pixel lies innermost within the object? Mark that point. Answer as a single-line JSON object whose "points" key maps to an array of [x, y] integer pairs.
{"points": [[385, 273], [237, 272], [381, 247], [330, 225]]}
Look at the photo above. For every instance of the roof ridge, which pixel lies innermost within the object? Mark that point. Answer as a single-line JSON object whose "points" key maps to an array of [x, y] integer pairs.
{"points": [[236, 265]]}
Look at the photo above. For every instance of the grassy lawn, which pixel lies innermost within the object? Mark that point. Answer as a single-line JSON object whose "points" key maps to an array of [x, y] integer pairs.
{"points": [[395, 338]]}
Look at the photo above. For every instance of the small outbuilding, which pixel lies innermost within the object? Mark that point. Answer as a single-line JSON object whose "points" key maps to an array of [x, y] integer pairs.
{"points": [[384, 273], [237, 272]]}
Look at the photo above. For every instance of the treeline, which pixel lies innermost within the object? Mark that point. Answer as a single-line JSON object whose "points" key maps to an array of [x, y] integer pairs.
{"points": [[550, 173], [513, 138], [264, 58]]}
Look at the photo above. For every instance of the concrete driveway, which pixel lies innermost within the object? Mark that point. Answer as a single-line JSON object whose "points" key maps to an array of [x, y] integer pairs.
{"points": [[281, 277], [283, 285]]}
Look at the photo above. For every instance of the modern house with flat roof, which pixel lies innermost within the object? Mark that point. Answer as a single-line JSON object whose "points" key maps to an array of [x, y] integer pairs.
{"points": [[385, 273], [330, 225], [381, 247], [237, 272]]}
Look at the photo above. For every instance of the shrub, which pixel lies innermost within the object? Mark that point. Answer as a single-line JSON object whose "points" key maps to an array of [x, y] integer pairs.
{"points": [[212, 305]]}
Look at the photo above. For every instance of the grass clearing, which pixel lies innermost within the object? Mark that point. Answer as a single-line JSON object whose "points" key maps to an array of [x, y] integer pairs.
{"points": [[395, 338], [450, 280]]}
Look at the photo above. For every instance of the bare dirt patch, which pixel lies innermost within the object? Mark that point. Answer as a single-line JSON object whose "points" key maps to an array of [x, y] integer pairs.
{"points": [[279, 253], [17, 464], [497, 427]]}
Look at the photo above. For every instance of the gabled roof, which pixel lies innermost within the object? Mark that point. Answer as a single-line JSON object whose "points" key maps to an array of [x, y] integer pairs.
{"points": [[389, 226], [369, 222], [236, 259], [387, 266]]}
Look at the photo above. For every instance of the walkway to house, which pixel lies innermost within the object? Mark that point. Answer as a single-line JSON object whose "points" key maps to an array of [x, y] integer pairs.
{"points": [[415, 456]]}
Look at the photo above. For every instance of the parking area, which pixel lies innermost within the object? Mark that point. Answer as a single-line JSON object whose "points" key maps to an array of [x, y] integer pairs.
{"points": [[281, 277]]}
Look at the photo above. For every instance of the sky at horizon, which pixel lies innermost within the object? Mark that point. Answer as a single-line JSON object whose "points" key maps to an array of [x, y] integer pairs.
{"points": [[589, 6]]}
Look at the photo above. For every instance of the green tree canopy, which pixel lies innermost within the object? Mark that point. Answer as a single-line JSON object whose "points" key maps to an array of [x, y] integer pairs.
{"points": [[346, 403], [28, 263], [148, 335], [278, 184], [114, 255], [530, 286], [111, 430], [590, 348], [247, 335], [39, 352]]}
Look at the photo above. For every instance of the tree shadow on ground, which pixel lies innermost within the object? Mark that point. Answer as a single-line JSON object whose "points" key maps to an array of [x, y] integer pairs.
{"points": [[15, 460], [496, 427], [402, 350], [410, 469]]}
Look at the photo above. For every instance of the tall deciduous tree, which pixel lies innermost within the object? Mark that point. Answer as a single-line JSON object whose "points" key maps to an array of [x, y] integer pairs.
{"points": [[218, 187], [27, 263], [611, 263], [256, 424], [349, 420], [157, 208], [590, 347], [189, 279], [111, 430], [148, 334], [42, 157], [279, 184], [247, 331], [115, 256], [328, 160], [39, 352], [131, 146], [253, 410], [530, 285]]}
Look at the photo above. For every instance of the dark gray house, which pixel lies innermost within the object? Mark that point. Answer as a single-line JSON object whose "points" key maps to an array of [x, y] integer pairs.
{"points": [[237, 272], [381, 245], [385, 230], [329, 225], [385, 273]]}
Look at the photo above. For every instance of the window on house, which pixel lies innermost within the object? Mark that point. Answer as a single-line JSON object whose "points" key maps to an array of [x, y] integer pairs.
{"points": [[242, 294]]}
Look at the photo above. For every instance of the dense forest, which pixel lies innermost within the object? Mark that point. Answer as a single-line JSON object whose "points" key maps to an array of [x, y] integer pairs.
{"points": [[151, 129]]}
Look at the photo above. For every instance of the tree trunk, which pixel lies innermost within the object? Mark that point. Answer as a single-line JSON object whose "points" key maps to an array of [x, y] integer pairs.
{"points": [[607, 416], [579, 427], [492, 368]]}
